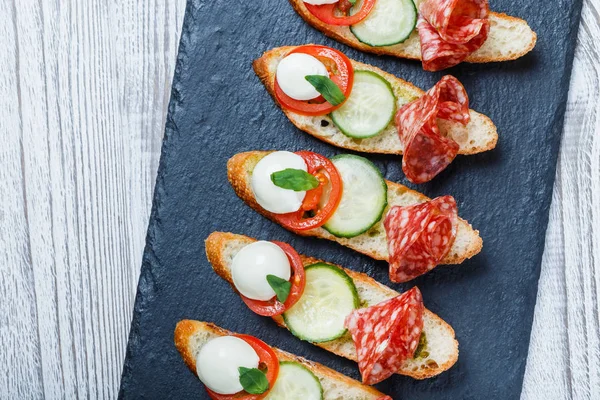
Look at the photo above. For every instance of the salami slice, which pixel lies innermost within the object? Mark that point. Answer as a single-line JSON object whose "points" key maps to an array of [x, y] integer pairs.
{"points": [[450, 30], [386, 334], [420, 236], [426, 151]]}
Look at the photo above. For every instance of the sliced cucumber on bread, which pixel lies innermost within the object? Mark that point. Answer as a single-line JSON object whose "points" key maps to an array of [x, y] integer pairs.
{"points": [[294, 371], [373, 242], [330, 294], [295, 381], [364, 197], [389, 23], [369, 109], [438, 354], [363, 127], [509, 37]]}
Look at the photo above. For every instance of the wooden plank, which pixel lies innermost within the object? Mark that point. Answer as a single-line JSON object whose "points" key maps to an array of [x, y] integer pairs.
{"points": [[564, 356], [84, 88], [20, 358]]}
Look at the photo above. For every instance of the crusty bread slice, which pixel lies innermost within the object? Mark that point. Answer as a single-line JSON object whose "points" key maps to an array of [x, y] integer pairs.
{"points": [[373, 243], [509, 38], [477, 136], [191, 335], [442, 348]]}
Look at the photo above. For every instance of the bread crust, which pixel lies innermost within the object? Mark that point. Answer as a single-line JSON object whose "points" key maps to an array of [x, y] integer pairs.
{"points": [[239, 168], [217, 241], [344, 35], [266, 75], [186, 329]]}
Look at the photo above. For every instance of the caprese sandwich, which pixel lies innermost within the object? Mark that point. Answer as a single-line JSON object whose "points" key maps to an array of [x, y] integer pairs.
{"points": [[347, 200], [360, 107], [440, 33], [345, 312], [241, 367]]}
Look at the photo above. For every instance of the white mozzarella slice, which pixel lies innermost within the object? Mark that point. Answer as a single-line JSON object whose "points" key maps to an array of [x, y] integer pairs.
{"points": [[253, 263], [319, 2], [273, 198], [218, 361], [291, 73]]}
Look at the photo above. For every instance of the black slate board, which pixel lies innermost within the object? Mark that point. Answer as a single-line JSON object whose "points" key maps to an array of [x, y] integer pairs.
{"points": [[219, 108]]}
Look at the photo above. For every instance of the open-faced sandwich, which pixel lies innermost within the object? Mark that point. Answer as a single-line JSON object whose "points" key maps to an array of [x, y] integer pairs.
{"points": [[347, 200], [343, 311], [360, 107], [241, 367], [441, 33]]}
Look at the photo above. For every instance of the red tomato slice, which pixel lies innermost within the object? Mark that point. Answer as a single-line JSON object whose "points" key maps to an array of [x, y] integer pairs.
{"points": [[326, 12], [274, 307], [267, 360], [296, 221], [311, 200], [340, 72]]}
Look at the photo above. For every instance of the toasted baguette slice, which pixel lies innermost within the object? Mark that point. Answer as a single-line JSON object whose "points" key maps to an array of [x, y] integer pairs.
{"points": [[478, 136], [191, 335], [441, 345], [509, 38], [372, 243]]}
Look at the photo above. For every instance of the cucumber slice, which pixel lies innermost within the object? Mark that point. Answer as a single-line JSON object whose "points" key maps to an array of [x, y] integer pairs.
{"points": [[295, 382], [328, 298], [369, 109], [390, 22], [364, 197]]}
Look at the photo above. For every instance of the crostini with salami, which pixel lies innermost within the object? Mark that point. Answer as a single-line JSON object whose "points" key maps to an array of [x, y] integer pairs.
{"points": [[242, 367], [347, 200], [343, 311], [359, 107], [440, 33]]}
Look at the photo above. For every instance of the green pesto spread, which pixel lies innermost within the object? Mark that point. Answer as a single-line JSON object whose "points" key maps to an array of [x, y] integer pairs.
{"points": [[420, 352]]}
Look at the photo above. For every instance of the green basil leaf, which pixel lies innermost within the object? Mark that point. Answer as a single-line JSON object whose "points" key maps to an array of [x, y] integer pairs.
{"points": [[328, 89], [281, 287], [294, 179], [353, 2], [253, 380]]}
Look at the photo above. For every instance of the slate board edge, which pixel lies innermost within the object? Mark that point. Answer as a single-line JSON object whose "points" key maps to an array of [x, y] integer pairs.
{"points": [[146, 281], [560, 116], [558, 125]]}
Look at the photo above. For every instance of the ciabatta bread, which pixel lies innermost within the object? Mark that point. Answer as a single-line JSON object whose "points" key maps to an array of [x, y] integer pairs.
{"points": [[441, 350]]}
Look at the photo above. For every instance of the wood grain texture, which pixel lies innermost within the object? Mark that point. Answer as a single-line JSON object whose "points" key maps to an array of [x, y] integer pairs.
{"points": [[564, 355], [84, 87]]}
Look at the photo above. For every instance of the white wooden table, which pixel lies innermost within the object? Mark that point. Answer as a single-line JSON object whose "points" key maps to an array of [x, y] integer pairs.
{"points": [[84, 87]]}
